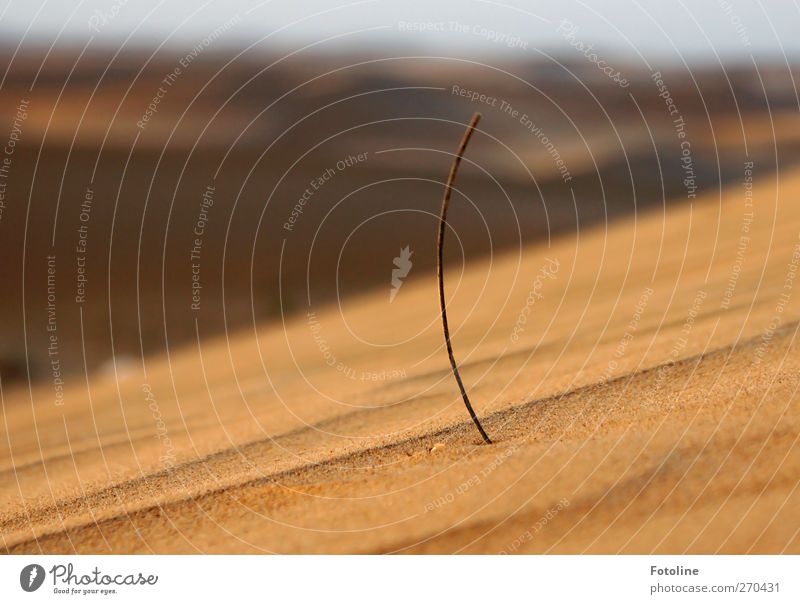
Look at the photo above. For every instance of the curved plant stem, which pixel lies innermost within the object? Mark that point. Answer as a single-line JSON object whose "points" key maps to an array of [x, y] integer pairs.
{"points": [[440, 269]]}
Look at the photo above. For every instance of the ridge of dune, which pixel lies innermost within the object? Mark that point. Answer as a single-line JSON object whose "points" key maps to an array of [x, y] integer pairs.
{"points": [[195, 440], [592, 415]]}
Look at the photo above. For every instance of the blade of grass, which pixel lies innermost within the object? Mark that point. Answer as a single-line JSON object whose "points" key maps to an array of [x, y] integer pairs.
{"points": [[440, 269]]}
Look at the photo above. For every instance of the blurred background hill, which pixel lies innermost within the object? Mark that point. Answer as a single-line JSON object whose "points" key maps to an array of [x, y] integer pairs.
{"points": [[122, 153]]}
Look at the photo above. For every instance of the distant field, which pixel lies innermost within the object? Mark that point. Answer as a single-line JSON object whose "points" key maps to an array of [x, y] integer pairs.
{"points": [[557, 153]]}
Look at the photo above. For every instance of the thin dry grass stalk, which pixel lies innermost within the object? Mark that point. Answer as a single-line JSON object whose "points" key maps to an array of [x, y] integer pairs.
{"points": [[440, 269]]}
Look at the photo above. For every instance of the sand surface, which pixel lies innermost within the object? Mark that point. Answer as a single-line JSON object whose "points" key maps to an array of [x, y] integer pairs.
{"points": [[645, 402]]}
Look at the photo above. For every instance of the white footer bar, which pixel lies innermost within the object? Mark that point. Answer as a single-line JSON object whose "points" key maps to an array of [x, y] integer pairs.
{"points": [[400, 579]]}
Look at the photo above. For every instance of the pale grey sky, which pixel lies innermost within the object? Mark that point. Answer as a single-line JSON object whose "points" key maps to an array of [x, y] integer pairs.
{"points": [[665, 28]]}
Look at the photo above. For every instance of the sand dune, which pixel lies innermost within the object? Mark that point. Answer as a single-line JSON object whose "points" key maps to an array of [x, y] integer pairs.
{"points": [[639, 380]]}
